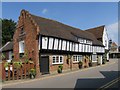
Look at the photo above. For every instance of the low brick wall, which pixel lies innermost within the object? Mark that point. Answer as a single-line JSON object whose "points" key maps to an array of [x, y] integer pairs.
{"points": [[75, 66]]}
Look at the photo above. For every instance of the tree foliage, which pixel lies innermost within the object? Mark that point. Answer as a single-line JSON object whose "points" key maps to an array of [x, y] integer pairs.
{"points": [[8, 28]]}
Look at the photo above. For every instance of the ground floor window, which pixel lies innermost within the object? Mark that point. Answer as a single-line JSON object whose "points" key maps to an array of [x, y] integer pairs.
{"points": [[94, 58], [77, 58], [57, 60]]}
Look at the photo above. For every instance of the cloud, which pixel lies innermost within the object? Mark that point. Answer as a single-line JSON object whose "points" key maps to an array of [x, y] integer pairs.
{"points": [[44, 10], [112, 31]]}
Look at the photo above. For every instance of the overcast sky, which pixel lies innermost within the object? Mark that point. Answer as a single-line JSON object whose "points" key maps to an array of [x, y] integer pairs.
{"points": [[81, 15]]}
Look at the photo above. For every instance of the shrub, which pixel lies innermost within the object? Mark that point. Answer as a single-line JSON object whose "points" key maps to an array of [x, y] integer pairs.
{"points": [[2, 56], [60, 68], [26, 60], [18, 65], [6, 65], [80, 63], [32, 73]]}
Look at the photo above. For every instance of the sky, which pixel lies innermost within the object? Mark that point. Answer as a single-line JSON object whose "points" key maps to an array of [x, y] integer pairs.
{"points": [[81, 15]]}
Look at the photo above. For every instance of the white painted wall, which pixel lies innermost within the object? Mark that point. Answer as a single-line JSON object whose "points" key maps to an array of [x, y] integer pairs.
{"points": [[60, 42], [67, 45], [76, 47], [44, 42], [50, 43], [56, 44], [105, 38], [83, 48], [64, 45], [70, 46], [80, 47], [73, 47]]}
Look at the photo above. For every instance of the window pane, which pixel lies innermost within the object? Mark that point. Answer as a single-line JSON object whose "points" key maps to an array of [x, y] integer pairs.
{"points": [[57, 59], [53, 59], [61, 59]]}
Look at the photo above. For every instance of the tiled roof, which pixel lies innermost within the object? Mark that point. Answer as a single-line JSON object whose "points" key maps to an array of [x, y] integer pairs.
{"points": [[97, 31], [7, 47], [57, 29]]}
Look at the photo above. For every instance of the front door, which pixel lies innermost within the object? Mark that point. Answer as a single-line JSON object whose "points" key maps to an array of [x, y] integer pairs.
{"points": [[44, 64]]}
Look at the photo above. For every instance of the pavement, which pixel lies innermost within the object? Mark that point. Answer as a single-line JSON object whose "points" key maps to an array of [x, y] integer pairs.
{"points": [[99, 77]]}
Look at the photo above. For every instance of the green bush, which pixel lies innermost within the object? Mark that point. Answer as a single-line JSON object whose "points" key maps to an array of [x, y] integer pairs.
{"points": [[80, 63], [6, 65], [59, 70], [18, 65], [32, 73], [60, 66], [26, 60]]}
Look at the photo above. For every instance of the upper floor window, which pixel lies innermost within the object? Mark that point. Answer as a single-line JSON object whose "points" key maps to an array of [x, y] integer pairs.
{"points": [[21, 48], [81, 40], [22, 31]]}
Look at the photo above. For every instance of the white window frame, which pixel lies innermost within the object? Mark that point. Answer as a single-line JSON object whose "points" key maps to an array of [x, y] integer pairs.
{"points": [[56, 44], [95, 57], [59, 56], [50, 43], [68, 45], [76, 47], [76, 58], [21, 48], [63, 45]]}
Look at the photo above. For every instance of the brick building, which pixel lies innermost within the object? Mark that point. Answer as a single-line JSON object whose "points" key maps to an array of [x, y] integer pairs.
{"points": [[50, 43]]}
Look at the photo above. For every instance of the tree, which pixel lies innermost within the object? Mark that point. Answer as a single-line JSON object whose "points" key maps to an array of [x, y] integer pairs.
{"points": [[8, 28]]}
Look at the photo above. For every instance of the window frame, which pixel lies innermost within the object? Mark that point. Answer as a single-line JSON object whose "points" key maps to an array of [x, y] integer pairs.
{"points": [[59, 59], [76, 58]]}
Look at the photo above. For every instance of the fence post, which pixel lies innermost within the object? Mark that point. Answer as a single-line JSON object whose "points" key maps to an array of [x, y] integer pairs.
{"points": [[21, 72], [25, 70], [28, 68], [8, 72], [12, 71]]}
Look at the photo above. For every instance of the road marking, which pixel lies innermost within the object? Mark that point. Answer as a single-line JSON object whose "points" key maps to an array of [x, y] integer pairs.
{"points": [[109, 84], [47, 77]]}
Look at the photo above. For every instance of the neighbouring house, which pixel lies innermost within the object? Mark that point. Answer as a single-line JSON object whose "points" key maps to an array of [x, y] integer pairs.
{"points": [[7, 51], [50, 43], [100, 33], [114, 51]]}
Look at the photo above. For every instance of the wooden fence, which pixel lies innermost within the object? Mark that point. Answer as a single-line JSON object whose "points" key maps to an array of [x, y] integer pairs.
{"points": [[13, 73]]}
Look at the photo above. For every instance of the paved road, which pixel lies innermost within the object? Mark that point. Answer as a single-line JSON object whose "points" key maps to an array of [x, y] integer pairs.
{"points": [[88, 78]]}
